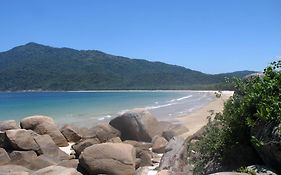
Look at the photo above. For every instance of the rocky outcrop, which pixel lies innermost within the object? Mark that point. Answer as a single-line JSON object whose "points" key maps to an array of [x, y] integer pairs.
{"points": [[44, 125], [138, 125], [71, 133], [269, 137], [8, 124], [159, 144], [21, 139], [109, 158]]}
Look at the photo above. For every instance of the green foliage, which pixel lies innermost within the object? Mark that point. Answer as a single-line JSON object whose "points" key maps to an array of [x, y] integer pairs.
{"points": [[37, 67], [255, 99], [246, 170]]}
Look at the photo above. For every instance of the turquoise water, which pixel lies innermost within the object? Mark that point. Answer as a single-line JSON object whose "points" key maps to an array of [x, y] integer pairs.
{"points": [[89, 108]]}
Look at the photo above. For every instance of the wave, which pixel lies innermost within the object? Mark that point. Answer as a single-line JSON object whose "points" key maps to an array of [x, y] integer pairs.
{"points": [[104, 117], [159, 106], [182, 98]]}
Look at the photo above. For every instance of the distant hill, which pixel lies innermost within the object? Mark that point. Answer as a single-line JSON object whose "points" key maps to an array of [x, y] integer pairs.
{"points": [[37, 67]]}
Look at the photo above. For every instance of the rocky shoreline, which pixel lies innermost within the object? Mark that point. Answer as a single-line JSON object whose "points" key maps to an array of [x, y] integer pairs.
{"points": [[132, 143]]}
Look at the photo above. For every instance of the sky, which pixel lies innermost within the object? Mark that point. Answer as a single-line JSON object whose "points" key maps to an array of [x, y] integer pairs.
{"points": [[212, 36]]}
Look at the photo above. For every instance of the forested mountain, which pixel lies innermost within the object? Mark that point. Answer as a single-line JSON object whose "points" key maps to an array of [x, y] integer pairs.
{"points": [[38, 67]]}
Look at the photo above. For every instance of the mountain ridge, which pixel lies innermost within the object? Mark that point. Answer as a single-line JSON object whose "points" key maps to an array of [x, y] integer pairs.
{"points": [[35, 66]]}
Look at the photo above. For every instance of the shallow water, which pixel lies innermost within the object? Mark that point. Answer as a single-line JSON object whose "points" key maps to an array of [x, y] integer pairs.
{"points": [[90, 107]]}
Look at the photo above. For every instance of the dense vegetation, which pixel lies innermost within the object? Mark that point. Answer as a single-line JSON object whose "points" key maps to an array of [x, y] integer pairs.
{"points": [[255, 103], [38, 67]]}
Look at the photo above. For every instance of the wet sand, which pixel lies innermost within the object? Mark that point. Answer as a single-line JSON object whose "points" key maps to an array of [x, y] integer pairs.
{"points": [[199, 118]]}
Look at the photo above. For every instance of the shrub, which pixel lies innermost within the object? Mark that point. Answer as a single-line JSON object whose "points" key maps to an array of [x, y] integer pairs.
{"points": [[255, 99]]}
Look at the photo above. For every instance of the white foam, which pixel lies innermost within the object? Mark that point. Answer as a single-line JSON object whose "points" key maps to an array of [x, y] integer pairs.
{"points": [[103, 117], [182, 98], [159, 106]]}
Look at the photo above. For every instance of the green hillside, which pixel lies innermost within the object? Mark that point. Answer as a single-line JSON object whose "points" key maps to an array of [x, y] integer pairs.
{"points": [[38, 67]]}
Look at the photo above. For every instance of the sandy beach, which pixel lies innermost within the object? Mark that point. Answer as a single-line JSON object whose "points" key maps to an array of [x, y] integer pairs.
{"points": [[198, 118]]}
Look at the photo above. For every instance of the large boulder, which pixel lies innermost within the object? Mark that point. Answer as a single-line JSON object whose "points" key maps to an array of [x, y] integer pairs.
{"points": [[109, 158], [104, 132], [159, 144], [4, 157], [269, 134], [138, 124], [71, 133], [44, 125], [73, 163], [82, 144], [14, 170], [21, 139], [56, 170], [29, 159], [8, 124], [175, 156], [22, 158], [48, 147]]}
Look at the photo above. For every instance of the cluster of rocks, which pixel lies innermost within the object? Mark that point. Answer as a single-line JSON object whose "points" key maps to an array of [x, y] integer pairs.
{"points": [[131, 143]]}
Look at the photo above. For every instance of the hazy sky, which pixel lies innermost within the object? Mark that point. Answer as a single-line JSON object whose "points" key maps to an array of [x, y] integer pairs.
{"points": [[211, 36]]}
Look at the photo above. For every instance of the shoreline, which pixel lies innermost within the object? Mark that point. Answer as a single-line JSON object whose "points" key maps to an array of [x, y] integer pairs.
{"points": [[199, 118]]}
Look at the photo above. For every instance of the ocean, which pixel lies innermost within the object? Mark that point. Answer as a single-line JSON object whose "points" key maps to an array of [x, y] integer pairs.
{"points": [[87, 108]]}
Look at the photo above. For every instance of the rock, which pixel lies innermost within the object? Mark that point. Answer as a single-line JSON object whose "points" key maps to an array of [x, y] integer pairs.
{"points": [[136, 144], [142, 171], [175, 156], [109, 158], [29, 159], [8, 124], [71, 133], [168, 172], [56, 170], [14, 170], [80, 146], [44, 125], [168, 135], [236, 156], [4, 157], [158, 144], [138, 125], [48, 147], [173, 129], [22, 158], [145, 158], [4, 143], [269, 134], [261, 170], [87, 133], [229, 173], [21, 139], [137, 163], [156, 158], [73, 163], [104, 132], [40, 162], [115, 140]]}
